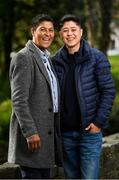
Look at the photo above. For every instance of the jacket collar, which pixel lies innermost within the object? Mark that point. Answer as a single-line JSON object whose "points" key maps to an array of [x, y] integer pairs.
{"points": [[37, 56], [81, 56]]}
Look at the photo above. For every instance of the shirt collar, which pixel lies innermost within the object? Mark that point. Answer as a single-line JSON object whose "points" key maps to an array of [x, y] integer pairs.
{"points": [[45, 53]]}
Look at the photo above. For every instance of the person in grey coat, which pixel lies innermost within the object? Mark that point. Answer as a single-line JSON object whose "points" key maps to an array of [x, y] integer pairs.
{"points": [[34, 127]]}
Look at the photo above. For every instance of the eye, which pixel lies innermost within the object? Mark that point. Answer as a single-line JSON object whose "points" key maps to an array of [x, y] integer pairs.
{"points": [[51, 30], [74, 30], [65, 30], [42, 30]]}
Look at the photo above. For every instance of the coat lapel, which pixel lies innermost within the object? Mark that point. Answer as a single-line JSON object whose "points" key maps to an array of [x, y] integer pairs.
{"points": [[38, 59]]}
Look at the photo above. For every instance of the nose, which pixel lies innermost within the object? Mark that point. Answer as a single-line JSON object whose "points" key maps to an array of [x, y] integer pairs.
{"points": [[47, 32], [69, 32]]}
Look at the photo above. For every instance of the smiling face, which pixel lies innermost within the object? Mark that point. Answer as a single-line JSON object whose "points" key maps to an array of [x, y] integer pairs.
{"points": [[43, 35], [71, 35]]}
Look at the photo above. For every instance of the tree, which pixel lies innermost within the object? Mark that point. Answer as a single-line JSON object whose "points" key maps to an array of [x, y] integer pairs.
{"points": [[12, 12], [106, 17], [93, 21], [7, 29], [16, 16]]}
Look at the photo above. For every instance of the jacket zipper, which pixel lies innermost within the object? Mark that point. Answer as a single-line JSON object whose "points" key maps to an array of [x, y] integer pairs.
{"points": [[79, 92], [63, 86]]}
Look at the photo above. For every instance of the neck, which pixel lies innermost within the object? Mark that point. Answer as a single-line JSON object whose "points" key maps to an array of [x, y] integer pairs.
{"points": [[72, 50], [41, 48]]}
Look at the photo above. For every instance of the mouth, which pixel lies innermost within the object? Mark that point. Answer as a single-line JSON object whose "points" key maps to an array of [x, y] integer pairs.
{"points": [[70, 39], [46, 39], [47, 42]]}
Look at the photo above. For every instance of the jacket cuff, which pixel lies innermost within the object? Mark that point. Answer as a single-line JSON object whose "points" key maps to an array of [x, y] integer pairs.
{"points": [[100, 125]]}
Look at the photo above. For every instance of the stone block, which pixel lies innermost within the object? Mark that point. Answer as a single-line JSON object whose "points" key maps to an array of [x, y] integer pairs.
{"points": [[9, 171], [110, 157]]}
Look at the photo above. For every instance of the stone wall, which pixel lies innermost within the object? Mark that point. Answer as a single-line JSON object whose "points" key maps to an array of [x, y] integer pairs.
{"points": [[109, 162], [3, 152], [110, 158], [9, 171]]}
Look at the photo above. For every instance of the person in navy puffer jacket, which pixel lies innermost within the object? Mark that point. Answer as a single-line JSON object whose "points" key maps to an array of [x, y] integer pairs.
{"points": [[87, 95]]}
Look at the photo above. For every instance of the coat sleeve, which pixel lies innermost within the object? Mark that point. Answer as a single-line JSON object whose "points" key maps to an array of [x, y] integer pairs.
{"points": [[20, 80], [106, 90]]}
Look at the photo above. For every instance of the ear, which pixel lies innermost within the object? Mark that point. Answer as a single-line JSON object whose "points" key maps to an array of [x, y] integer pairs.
{"points": [[32, 31], [81, 31]]}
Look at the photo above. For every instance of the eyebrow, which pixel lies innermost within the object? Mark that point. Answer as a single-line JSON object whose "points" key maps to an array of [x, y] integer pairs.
{"points": [[42, 27], [68, 27]]}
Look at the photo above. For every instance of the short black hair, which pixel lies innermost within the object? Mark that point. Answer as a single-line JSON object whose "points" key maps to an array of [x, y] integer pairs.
{"points": [[70, 17], [40, 18]]}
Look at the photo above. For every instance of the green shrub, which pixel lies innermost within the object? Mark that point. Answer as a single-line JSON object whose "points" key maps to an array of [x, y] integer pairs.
{"points": [[114, 116], [4, 88], [114, 61], [5, 112]]}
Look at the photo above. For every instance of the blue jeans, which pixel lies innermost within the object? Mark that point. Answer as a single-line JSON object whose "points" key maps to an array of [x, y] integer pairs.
{"points": [[81, 154], [34, 173]]}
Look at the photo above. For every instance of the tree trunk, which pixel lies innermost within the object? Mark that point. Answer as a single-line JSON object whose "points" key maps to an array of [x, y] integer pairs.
{"points": [[8, 27], [106, 12]]}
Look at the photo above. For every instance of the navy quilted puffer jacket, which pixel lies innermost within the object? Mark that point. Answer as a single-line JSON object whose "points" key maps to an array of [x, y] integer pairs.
{"points": [[94, 84]]}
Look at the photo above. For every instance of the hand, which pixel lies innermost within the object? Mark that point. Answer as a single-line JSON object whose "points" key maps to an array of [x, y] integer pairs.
{"points": [[92, 128], [34, 142]]}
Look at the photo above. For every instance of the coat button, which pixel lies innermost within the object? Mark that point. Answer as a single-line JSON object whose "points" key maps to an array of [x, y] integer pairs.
{"points": [[49, 132], [50, 109]]}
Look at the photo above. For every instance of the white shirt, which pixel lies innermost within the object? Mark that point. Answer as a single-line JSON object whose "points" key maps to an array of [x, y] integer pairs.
{"points": [[53, 82]]}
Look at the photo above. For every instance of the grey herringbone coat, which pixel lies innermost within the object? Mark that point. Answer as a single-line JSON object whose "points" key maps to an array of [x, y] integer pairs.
{"points": [[32, 111]]}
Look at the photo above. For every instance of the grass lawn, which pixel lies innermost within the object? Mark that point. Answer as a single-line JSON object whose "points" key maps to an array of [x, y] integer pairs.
{"points": [[114, 61]]}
